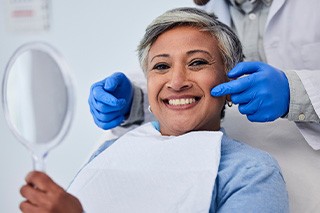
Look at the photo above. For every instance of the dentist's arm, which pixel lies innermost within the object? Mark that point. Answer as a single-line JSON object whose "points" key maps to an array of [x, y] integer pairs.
{"points": [[261, 91]]}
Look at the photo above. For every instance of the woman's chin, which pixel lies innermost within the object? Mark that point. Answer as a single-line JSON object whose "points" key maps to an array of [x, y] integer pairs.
{"points": [[177, 129]]}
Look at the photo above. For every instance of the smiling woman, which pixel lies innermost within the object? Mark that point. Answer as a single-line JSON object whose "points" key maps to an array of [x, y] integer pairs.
{"points": [[184, 161], [183, 64]]}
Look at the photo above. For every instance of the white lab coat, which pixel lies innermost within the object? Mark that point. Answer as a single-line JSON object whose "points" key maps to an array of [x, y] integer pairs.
{"points": [[291, 42]]}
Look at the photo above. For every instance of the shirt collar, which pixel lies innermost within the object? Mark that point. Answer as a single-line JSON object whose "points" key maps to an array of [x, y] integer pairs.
{"points": [[248, 6]]}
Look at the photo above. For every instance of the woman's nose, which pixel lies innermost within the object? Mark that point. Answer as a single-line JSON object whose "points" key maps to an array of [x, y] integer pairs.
{"points": [[179, 79]]}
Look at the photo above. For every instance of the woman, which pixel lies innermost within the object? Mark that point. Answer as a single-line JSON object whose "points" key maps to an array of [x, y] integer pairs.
{"points": [[184, 53]]}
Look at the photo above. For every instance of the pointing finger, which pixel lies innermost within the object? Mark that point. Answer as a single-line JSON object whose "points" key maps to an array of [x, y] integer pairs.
{"points": [[106, 98], [111, 83], [232, 87], [244, 68]]}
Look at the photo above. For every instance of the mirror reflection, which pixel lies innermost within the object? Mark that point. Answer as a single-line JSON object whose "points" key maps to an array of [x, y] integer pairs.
{"points": [[37, 100]]}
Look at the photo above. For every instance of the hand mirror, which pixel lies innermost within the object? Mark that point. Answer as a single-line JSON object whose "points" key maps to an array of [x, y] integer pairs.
{"points": [[37, 98]]}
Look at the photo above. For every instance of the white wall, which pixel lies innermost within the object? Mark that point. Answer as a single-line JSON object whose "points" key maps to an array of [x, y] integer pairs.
{"points": [[96, 38]]}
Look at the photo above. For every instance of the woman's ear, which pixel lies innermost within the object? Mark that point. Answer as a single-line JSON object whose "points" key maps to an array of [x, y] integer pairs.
{"points": [[228, 97]]}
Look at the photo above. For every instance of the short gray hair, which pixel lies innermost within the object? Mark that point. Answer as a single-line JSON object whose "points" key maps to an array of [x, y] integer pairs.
{"points": [[228, 42]]}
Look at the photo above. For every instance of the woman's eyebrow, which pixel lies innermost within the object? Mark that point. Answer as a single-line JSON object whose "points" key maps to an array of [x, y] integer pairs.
{"points": [[191, 52], [160, 55]]}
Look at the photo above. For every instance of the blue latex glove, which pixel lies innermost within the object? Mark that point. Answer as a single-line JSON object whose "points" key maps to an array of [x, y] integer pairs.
{"points": [[110, 100], [263, 95]]}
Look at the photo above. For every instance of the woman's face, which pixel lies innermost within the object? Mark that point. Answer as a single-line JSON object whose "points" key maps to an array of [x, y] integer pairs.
{"points": [[184, 64]]}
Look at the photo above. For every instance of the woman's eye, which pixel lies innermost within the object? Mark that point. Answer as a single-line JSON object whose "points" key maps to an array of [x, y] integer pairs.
{"points": [[198, 63], [161, 67]]}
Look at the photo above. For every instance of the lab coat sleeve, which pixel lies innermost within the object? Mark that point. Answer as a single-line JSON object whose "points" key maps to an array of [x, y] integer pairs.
{"points": [[311, 131], [304, 107], [138, 114], [310, 80], [300, 108]]}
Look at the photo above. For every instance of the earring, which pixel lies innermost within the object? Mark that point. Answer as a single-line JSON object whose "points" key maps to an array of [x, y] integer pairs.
{"points": [[229, 103], [149, 108]]}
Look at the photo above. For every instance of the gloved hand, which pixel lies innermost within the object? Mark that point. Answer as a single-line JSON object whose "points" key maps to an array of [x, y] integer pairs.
{"points": [[263, 95], [110, 100]]}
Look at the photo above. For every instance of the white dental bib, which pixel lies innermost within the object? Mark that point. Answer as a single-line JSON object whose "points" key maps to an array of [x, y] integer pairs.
{"points": [[144, 171]]}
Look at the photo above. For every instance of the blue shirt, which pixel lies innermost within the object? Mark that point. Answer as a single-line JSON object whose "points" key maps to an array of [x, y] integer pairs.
{"points": [[248, 180]]}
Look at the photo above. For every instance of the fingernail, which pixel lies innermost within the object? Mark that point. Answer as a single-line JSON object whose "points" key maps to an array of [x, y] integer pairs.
{"points": [[230, 74], [109, 85]]}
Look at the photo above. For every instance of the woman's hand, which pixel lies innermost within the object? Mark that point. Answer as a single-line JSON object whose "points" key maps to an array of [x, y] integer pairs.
{"points": [[44, 196]]}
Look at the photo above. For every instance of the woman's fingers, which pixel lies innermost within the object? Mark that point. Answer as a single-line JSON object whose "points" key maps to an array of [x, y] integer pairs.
{"points": [[33, 195], [27, 207], [44, 195], [41, 181], [40, 189]]}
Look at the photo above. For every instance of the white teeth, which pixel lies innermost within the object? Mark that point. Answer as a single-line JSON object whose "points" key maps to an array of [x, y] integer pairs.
{"points": [[182, 101]]}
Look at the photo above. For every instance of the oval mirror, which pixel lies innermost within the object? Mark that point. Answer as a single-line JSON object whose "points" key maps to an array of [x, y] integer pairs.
{"points": [[38, 98]]}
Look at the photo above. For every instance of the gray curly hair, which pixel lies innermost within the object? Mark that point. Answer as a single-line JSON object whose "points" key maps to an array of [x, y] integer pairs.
{"points": [[228, 42]]}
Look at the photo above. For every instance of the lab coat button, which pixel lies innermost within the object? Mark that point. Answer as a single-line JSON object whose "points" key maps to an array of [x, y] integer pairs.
{"points": [[302, 117], [252, 16]]}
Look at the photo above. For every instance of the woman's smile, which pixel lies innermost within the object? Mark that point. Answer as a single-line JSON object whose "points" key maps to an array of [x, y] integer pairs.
{"points": [[183, 102]]}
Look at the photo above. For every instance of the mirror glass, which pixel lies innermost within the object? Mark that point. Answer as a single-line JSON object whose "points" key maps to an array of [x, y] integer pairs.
{"points": [[37, 98]]}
